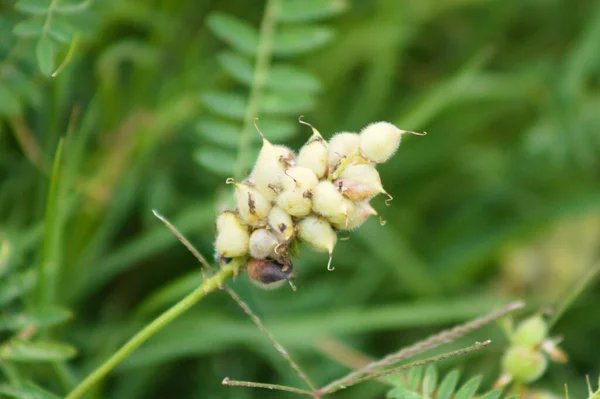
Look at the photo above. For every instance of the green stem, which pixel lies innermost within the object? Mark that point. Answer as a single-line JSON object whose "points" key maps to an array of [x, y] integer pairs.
{"points": [[263, 58], [209, 285], [581, 286]]}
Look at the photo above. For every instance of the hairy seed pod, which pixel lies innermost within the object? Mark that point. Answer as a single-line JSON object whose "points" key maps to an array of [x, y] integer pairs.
{"points": [[341, 220], [524, 364], [380, 140], [300, 177], [251, 204], [361, 213], [327, 200], [360, 182], [341, 146], [232, 238], [281, 223], [530, 332], [318, 234], [269, 274], [296, 201], [313, 155], [262, 244]]}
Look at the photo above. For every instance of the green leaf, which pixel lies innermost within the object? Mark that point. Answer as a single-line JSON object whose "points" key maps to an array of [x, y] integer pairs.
{"points": [[287, 103], [468, 390], [26, 391], [227, 133], [402, 393], [38, 7], [448, 385], [430, 380], [42, 318], [24, 351], [236, 32], [219, 162], [9, 103], [61, 32], [44, 52], [495, 394], [309, 10], [16, 285], [414, 378], [301, 39], [231, 105], [66, 7], [29, 28], [282, 76]]}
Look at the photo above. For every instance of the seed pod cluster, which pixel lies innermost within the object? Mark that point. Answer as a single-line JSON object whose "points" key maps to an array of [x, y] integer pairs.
{"points": [[308, 198]]}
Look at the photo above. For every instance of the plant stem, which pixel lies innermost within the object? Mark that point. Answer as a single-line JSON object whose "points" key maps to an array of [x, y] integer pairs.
{"points": [[586, 281], [250, 384], [209, 285], [261, 68]]}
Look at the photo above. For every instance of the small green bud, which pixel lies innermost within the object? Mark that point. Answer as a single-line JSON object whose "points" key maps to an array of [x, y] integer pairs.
{"points": [[281, 223], [318, 234], [313, 155], [262, 244], [531, 332], [252, 205], [380, 140], [524, 364], [341, 145], [232, 238]]}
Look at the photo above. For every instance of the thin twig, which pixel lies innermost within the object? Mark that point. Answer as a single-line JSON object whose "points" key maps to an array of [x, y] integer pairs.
{"points": [[261, 68], [249, 384], [271, 338], [184, 241], [477, 346], [422, 346]]}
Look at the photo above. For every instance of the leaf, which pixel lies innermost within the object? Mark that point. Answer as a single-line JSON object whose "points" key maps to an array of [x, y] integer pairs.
{"points": [[448, 385], [429, 380], [402, 393], [414, 378], [227, 133], [9, 103], [37, 7], [286, 103], [468, 390], [282, 76], [495, 394], [302, 39], [236, 32], [26, 391], [66, 7], [44, 52], [42, 318], [219, 162], [61, 32], [19, 350], [309, 10], [232, 105], [29, 28], [16, 285]]}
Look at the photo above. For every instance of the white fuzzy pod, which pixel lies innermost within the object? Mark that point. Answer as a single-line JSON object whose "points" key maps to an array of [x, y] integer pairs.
{"points": [[360, 182], [300, 177], [252, 205], [342, 219], [318, 234], [295, 201], [327, 200], [232, 236], [340, 146], [314, 155], [281, 222], [379, 141], [269, 169], [262, 243], [362, 212]]}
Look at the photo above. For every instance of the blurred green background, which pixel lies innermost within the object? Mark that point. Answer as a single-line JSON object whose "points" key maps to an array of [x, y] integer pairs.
{"points": [[500, 201]]}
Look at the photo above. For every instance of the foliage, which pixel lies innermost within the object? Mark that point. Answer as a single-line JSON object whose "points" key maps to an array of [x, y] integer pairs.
{"points": [[499, 201]]}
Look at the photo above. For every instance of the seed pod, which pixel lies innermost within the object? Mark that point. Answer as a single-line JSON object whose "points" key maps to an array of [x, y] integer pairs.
{"points": [[300, 177], [262, 244], [269, 274], [341, 146], [232, 236], [314, 153], [318, 234], [341, 220], [296, 201], [360, 182], [530, 332], [524, 364], [361, 213], [380, 140], [253, 207], [281, 223], [327, 200]]}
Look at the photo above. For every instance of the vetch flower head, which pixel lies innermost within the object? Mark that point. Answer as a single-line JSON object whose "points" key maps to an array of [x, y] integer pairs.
{"points": [[380, 140], [232, 236]]}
